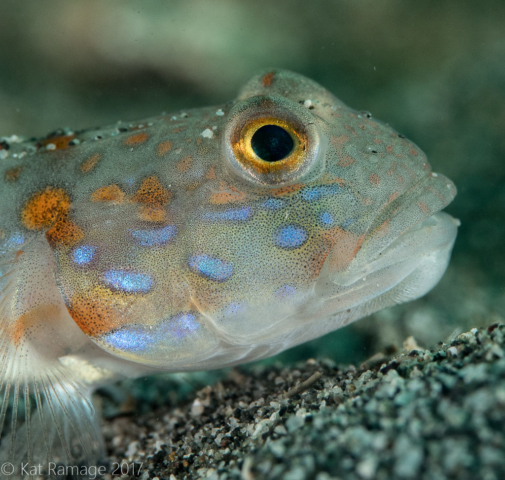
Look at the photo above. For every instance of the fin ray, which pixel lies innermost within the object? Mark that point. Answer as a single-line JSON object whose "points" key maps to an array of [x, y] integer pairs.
{"points": [[46, 413]]}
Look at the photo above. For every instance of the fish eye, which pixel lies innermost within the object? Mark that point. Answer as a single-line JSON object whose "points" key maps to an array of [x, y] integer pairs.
{"points": [[271, 141]]}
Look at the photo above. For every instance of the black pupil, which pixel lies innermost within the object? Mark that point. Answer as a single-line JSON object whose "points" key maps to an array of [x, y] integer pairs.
{"points": [[272, 143]]}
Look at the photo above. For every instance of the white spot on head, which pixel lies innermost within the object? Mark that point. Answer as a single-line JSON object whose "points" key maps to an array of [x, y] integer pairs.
{"points": [[3, 154], [307, 103], [178, 150], [50, 146], [219, 113], [434, 175], [214, 127], [207, 133]]}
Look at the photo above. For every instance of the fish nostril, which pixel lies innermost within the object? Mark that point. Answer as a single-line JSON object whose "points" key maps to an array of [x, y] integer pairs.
{"points": [[272, 143]]}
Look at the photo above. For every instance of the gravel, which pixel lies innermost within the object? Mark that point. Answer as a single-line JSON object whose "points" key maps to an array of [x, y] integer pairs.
{"points": [[424, 414]]}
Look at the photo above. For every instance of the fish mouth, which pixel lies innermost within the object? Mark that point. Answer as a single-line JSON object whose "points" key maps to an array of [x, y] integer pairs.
{"points": [[424, 248], [403, 254]]}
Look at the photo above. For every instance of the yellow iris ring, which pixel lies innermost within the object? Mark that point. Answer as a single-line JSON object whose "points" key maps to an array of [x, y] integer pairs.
{"points": [[245, 154]]}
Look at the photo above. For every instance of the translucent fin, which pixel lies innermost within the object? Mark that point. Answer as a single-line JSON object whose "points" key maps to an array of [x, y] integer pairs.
{"points": [[46, 416]]}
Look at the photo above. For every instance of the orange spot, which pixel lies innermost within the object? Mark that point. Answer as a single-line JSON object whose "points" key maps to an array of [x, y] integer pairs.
{"points": [[389, 148], [12, 174], [424, 208], [164, 148], [287, 189], [96, 314], [231, 196], [327, 179], [342, 247], [59, 142], [374, 179], [211, 174], [438, 194], [152, 214], [110, 193], [44, 208], [178, 130], [226, 197], [31, 320], [199, 140], [377, 140], [90, 163], [64, 231], [413, 151], [348, 127], [49, 209], [339, 141], [136, 139], [267, 79], [192, 186], [345, 161], [184, 164], [411, 173], [152, 193]]}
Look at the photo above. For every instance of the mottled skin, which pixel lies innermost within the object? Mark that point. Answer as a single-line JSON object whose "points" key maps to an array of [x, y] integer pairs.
{"points": [[166, 244]]}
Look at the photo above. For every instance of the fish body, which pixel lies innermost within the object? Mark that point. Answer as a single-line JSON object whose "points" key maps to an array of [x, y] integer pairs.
{"points": [[200, 240]]}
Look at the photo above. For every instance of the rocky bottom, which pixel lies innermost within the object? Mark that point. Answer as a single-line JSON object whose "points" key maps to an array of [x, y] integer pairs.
{"points": [[423, 414]]}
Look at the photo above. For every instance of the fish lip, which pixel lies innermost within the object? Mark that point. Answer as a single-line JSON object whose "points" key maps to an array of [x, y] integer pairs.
{"points": [[435, 233], [430, 194]]}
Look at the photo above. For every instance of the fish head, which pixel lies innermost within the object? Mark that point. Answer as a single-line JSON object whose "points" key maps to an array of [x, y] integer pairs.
{"points": [[293, 215]]}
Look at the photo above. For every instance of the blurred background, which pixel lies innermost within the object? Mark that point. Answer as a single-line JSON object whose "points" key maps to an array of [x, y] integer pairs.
{"points": [[434, 70]]}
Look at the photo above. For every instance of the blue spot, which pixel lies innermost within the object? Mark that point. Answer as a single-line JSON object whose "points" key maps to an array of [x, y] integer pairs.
{"points": [[273, 204], [311, 194], [12, 242], [291, 236], [17, 238], [130, 339], [143, 338], [84, 254], [180, 325], [128, 282], [239, 214], [326, 219], [155, 236], [211, 267], [285, 292]]}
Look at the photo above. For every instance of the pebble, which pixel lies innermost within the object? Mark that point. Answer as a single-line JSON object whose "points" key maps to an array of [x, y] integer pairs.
{"points": [[435, 415]]}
